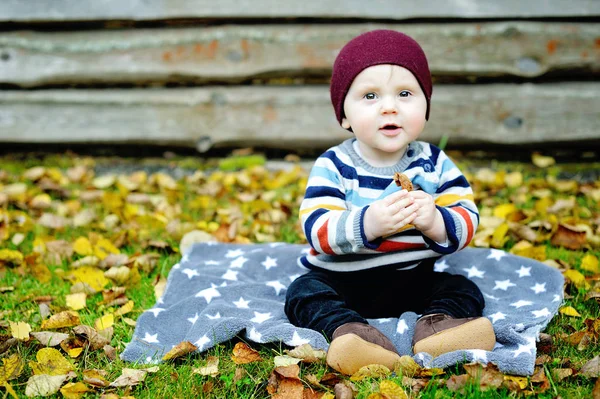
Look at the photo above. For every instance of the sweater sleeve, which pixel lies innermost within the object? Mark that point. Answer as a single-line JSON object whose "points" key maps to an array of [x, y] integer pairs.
{"points": [[329, 225], [454, 199]]}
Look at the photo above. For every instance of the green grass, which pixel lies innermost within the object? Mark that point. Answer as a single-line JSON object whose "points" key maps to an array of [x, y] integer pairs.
{"points": [[175, 379]]}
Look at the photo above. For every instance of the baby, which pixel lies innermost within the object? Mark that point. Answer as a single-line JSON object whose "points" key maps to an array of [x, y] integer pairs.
{"points": [[374, 244]]}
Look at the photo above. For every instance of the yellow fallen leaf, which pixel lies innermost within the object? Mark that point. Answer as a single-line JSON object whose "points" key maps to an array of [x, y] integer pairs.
{"points": [[406, 366], [128, 307], [83, 247], [569, 311], [74, 352], [211, 368], [499, 237], [104, 322], [12, 367], [76, 301], [41, 201], [577, 278], [44, 384], [67, 318], [41, 272], [391, 390], [371, 371], [20, 330], [514, 179], [104, 247], [502, 211], [91, 276], [10, 257], [118, 274], [104, 182], [74, 390], [590, 263], [521, 381], [51, 362], [159, 288], [542, 161]]}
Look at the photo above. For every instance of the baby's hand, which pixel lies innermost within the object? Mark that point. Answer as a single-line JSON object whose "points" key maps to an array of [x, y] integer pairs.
{"points": [[426, 215], [388, 215]]}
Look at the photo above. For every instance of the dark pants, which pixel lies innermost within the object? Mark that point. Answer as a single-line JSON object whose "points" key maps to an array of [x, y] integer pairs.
{"points": [[323, 300]]}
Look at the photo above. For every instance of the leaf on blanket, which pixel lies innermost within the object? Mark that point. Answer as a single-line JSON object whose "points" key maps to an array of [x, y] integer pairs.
{"points": [[243, 354], [179, 350], [370, 371], [211, 368], [307, 353]]}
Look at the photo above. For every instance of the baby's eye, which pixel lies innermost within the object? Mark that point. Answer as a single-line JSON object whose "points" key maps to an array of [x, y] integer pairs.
{"points": [[404, 93], [370, 96]]}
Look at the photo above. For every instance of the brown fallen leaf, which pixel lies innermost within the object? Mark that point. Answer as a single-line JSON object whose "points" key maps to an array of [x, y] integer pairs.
{"points": [[49, 338], [181, 349], [540, 380], [568, 237], [95, 377], [457, 383], [95, 340], [243, 354], [487, 376], [211, 368], [561, 374], [129, 378], [591, 368], [307, 353], [284, 383], [343, 391], [596, 389], [110, 352]]}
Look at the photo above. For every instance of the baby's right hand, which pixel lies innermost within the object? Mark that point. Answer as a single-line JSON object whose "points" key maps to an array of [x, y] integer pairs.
{"points": [[388, 215]]}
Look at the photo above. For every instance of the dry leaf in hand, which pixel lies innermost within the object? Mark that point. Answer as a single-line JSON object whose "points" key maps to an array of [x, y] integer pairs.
{"points": [[403, 181], [181, 349], [243, 354]]}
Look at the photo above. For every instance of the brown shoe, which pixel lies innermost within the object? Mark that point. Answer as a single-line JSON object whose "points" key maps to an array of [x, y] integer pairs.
{"points": [[439, 333], [355, 345]]}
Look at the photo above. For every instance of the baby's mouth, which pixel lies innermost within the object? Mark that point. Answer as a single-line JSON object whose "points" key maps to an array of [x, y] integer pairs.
{"points": [[390, 129]]}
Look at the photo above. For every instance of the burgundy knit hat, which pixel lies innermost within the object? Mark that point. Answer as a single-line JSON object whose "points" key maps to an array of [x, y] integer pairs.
{"points": [[374, 48]]}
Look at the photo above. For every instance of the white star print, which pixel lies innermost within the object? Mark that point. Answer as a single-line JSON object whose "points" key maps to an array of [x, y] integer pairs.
{"points": [[269, 262], [401, 327], [381, 321], [230, 275], [440, 266], [211, 262], [202, 341], [214, 317], [496, 254], [241, 303], [151, 339], [538, 288], [521, 303], [190, 273], [238, 262], [503, 285], [490, 296], [255, 335], [160, 301], [522, 349], [497, 316], [234, 254], [261, 317], [524, 271], [209, 293], [297, 340], [156, 311], [276, 244], [519, 327], [556, 298], [474, 272], [194, 319], [277, 285], [176, 266], [541, 313], [479, 355]]}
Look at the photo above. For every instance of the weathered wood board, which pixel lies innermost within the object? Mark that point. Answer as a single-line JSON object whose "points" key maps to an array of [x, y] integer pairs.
{"points": [[77, 10], [240, 53], [286, 118]]}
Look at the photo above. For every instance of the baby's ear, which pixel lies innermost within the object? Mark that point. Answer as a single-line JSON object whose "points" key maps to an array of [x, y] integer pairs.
{"points": [[345, 123]]}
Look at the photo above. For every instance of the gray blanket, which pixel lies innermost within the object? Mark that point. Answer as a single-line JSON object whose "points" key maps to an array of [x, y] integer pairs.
{"points": [[218, 291]]}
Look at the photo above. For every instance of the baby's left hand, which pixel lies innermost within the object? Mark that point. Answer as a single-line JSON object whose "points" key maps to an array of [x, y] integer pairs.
{"points": [[426, 213]]}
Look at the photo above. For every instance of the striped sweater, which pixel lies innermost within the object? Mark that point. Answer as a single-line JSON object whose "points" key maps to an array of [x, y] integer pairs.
{"points": [[340, 188]]}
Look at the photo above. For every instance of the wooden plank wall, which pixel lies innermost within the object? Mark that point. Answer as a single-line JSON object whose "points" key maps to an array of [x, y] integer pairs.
{"points": [[208, 74]]}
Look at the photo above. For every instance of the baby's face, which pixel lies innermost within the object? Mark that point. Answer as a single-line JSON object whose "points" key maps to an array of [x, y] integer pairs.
{"points": [[385, 107]]}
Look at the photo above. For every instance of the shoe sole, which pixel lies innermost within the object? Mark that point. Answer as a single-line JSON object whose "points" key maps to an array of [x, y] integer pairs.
{"points": [[476, 334], [349, 352]]}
